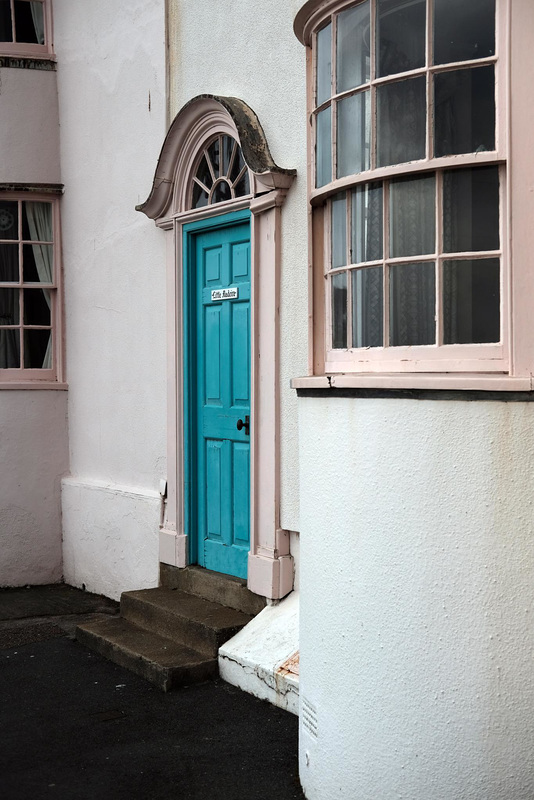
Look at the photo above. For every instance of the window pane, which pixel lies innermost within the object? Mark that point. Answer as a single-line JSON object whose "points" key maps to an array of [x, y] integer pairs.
{"points": [[353, 134], [471, 301], [9, 263], [204, 174], [200, 197], [401, 122], [412, 304], [339, 310], [38, 263], [401, 36], [412, 220], [353, 58], [38, 20], [37, 222], [9, 307], [324, 64], [339, 230], [471, 209], [464, 111], [6, 28], [214, 156], [37, 349], [242, 187], [9, 216], [463, 30], [367, 307], [9, 349], [36, 307], [367, 230], [237, 166], [221, 193], [25, 25], [228, 148], [324, 147]]}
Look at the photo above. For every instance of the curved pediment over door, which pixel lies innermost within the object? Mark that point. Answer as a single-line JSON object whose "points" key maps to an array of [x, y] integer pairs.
{"points": [[215, 151]]}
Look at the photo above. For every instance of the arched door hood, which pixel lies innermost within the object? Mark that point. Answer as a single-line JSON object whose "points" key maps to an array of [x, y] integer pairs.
{"points": [[192, 126]]}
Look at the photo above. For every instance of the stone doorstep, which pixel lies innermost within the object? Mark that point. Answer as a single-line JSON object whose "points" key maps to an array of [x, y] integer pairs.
{"points": [[183, 617], [163, 662], [214, 586], [167, 636]]}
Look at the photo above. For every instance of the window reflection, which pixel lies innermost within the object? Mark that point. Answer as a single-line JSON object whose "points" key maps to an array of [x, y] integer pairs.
{"points": [[400, 36], [471, 301]]}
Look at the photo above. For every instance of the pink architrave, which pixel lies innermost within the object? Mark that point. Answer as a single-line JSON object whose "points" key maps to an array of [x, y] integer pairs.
{"points": [[270, 565]]}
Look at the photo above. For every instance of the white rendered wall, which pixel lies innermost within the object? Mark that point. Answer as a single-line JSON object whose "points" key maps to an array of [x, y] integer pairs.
{"points": [[34, 457], [251, 52], [417, 576], [29, 126], [114, 550], [111, 83]]}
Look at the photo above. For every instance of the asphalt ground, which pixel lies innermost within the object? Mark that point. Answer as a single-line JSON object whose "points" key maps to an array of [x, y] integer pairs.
{"points": [[74, 726]]}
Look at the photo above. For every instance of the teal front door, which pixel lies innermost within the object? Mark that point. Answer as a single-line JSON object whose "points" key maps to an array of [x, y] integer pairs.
{"points": [[220, 388]]}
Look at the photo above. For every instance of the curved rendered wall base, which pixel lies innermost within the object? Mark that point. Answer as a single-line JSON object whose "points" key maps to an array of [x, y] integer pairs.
{"points": [[417, 586], [29, 126], [34, 455]]}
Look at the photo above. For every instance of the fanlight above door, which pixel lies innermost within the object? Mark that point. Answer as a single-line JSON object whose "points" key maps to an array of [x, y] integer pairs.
{"points": [[221, 173]]}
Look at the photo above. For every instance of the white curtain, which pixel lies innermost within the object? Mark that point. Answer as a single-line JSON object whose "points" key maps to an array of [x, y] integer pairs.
{"points": [[412, 285], [39, 217], [9, 298], [38, 21]]}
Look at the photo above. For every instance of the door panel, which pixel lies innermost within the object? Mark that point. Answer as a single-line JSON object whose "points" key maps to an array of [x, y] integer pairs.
{"points": [[221, 353], [241, 472], [241, 355]]}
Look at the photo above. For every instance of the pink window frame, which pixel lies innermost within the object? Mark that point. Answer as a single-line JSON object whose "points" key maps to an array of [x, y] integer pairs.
{"points": [[43, 378], [429, 358], [27, 49], [270, 564], [476, 366]]}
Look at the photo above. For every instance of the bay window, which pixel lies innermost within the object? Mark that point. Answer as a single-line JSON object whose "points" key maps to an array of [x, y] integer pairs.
{"points": [[25, 27], [408, 174]]}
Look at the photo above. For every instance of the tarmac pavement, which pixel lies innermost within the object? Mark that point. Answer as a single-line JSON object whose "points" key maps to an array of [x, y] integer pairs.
{"points": [[74, 726]]}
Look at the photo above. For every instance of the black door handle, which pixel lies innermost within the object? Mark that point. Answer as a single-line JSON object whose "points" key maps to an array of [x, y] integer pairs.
{"points": [[245, 425]]}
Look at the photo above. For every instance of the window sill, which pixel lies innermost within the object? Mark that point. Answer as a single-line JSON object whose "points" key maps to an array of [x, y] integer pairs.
{"points": [[449, 381], [33, 385]]}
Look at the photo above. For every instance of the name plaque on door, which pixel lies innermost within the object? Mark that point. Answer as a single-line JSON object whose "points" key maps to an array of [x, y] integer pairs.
{"points": [[225, 294]]}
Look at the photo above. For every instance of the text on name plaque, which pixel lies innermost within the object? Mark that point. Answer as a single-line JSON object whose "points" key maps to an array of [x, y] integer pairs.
{"points": [[225, 294]]}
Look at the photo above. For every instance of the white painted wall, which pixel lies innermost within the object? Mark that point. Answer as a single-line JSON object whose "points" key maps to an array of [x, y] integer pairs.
{"points": [[111, 84], [251, 53], [116, 548], [34, 457], [29, 127], [417, 571]]}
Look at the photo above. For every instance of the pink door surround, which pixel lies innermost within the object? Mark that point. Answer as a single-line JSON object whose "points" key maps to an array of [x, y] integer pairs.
{"points": [[201, 120]]}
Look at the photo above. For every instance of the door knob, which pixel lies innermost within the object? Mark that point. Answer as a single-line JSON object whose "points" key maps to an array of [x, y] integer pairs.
{"points": [[245, 425]]}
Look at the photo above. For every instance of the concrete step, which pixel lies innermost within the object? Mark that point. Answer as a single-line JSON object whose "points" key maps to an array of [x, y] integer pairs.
{"points": [[213, 586], [184, 618], [163, 662]]}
